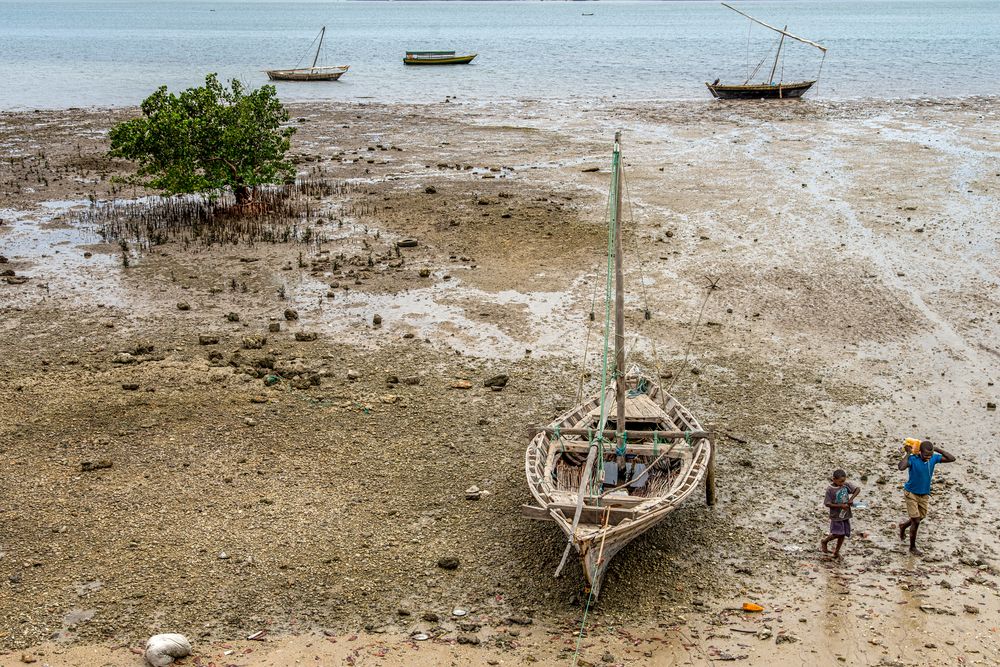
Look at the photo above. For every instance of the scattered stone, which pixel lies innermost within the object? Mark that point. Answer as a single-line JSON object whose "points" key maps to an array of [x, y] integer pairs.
{"points": [[471, 640], [90, 466], [411, 380], [130, 386], [233, 317], [208, 339], [430, 189], [607, 657], [448, 563], [16, 280], [497, 382], [254, 342], [969, 609], [162, 650], [461, 384], [7, 272], [990, 405], [27, 658], [183, 305], [291, 314], [390, 399], [472, 493], [424, 273], [274, 327], [377, 321], [250, 421], [123, 358], [406, 243], [929, 609], [223, 555], [306, 336], [301, 383], [785, 638], [590, 170], [353, 375], [519, 619], [430, 617], [258, 399], [3, 260]]}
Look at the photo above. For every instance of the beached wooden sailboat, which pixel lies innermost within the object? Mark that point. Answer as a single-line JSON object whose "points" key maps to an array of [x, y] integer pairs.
{"points": [[614, 466], [437, 58], [311, 73], [768, 89]]}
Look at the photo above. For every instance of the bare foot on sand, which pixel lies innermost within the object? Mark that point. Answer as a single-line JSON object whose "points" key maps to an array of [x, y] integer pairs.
{"points": [[902, 530], [916, 552]]}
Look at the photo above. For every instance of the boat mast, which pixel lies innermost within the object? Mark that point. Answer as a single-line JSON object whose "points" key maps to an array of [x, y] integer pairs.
{"points": [[619, 289], [319, 46], [776, 56]]}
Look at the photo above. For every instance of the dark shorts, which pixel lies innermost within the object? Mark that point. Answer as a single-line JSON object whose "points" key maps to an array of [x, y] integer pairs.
{"points": [[840, 527]]}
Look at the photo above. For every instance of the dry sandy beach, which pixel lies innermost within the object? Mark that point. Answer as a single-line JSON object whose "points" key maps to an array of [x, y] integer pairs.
{"points": [[152, 482]]}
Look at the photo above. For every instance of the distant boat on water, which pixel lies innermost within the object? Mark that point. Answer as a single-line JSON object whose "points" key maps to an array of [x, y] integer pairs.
{"points": [[312, 73], [437, 58], [768, 89]]}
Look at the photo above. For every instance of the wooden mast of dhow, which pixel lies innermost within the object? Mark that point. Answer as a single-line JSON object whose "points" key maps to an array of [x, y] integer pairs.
{"points": [[777, 56], [619, 291], [319, 46]]}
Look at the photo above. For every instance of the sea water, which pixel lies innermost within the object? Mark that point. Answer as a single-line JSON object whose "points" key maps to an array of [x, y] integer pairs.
{"points": [[63, 53]]}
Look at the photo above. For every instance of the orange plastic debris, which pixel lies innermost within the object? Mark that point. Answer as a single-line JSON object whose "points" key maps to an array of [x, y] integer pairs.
{"points": [[750, 606]]}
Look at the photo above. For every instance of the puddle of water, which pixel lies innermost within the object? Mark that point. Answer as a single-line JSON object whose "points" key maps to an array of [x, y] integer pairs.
{"points": [[52, 255], [538, 321]]}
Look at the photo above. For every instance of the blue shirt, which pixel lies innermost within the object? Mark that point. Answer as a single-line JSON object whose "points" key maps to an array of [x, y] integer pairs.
{"points": [[920, 474]]}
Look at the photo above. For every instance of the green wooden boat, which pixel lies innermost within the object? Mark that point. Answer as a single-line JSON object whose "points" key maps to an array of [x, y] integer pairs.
{"points": [[437, 58]]}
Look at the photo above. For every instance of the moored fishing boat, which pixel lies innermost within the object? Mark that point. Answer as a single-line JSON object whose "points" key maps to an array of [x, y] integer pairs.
{"points": [[312, 73], [769, 89], [437, 58], [614, 466]]}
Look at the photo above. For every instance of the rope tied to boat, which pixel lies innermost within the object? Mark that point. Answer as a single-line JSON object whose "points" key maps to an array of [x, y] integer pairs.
{"points": [[620, 449], [687, 437]]}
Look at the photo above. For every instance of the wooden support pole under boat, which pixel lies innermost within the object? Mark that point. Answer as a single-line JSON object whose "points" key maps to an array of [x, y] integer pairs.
{"points": [[710, 497], [619, 289], [609, 434]]}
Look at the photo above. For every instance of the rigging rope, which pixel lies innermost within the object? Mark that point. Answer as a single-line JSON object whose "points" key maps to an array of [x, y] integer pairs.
{"points": [[820, 72], [590, 329], [694, 332], [308, 51]]}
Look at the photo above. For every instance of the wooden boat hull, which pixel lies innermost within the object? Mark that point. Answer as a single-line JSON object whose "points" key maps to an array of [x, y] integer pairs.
{"points": [[453, 60], [607, 525], [779, 91], [308, 73]]}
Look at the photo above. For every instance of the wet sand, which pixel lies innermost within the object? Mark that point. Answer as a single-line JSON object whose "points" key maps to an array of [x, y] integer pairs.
{"points": [[855, 251]]}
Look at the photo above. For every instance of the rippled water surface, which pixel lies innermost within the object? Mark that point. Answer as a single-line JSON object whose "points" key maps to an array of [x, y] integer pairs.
{"points": [[60, 53]]}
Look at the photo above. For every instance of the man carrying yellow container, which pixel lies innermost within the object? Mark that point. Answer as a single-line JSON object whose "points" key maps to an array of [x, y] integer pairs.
{"points": [[917, 490]]}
